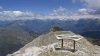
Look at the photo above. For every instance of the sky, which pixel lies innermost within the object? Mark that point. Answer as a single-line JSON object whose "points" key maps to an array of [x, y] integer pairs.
{"points": [[39, 6], [29, 9]]}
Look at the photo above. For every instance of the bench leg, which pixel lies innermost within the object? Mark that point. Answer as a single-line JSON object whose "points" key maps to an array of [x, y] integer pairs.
{"points": [[74, 46], [61, 43]]}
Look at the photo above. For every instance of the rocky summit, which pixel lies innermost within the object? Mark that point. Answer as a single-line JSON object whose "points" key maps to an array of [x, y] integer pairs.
{"points": [[48, 45]]}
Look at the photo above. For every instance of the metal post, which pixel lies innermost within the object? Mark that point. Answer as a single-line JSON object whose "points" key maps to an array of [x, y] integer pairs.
{"points": [[61, 43], [74, 46]]}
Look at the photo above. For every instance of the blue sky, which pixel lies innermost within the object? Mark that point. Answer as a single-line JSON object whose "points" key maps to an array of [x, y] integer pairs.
{"points": [[49, 9], [39, 6]]}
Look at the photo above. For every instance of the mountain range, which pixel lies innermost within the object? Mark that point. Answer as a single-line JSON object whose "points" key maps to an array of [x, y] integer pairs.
{"points": [[42, 26], [14, 34]]}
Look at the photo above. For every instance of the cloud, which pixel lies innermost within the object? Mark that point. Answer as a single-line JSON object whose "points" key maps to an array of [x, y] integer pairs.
{"points": [[94, 4], [60, 13], [64, 14], [20, 15], [1, 7], [83, 11], [15, 15], [73, 1], [87, 11]]}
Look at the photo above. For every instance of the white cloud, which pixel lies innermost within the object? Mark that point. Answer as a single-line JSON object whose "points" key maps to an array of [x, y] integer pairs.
{"points": [[83, 11], [94, 4], [86, 11], [16, 15], [64, 14], [60, 13]]}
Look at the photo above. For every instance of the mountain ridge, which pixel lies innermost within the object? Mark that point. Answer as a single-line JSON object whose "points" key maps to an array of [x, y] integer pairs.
{"points": [[35, 28], [45, 44]]}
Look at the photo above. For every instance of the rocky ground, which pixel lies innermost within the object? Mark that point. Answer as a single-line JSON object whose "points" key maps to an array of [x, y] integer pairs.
{"points": [[48, 45]]}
